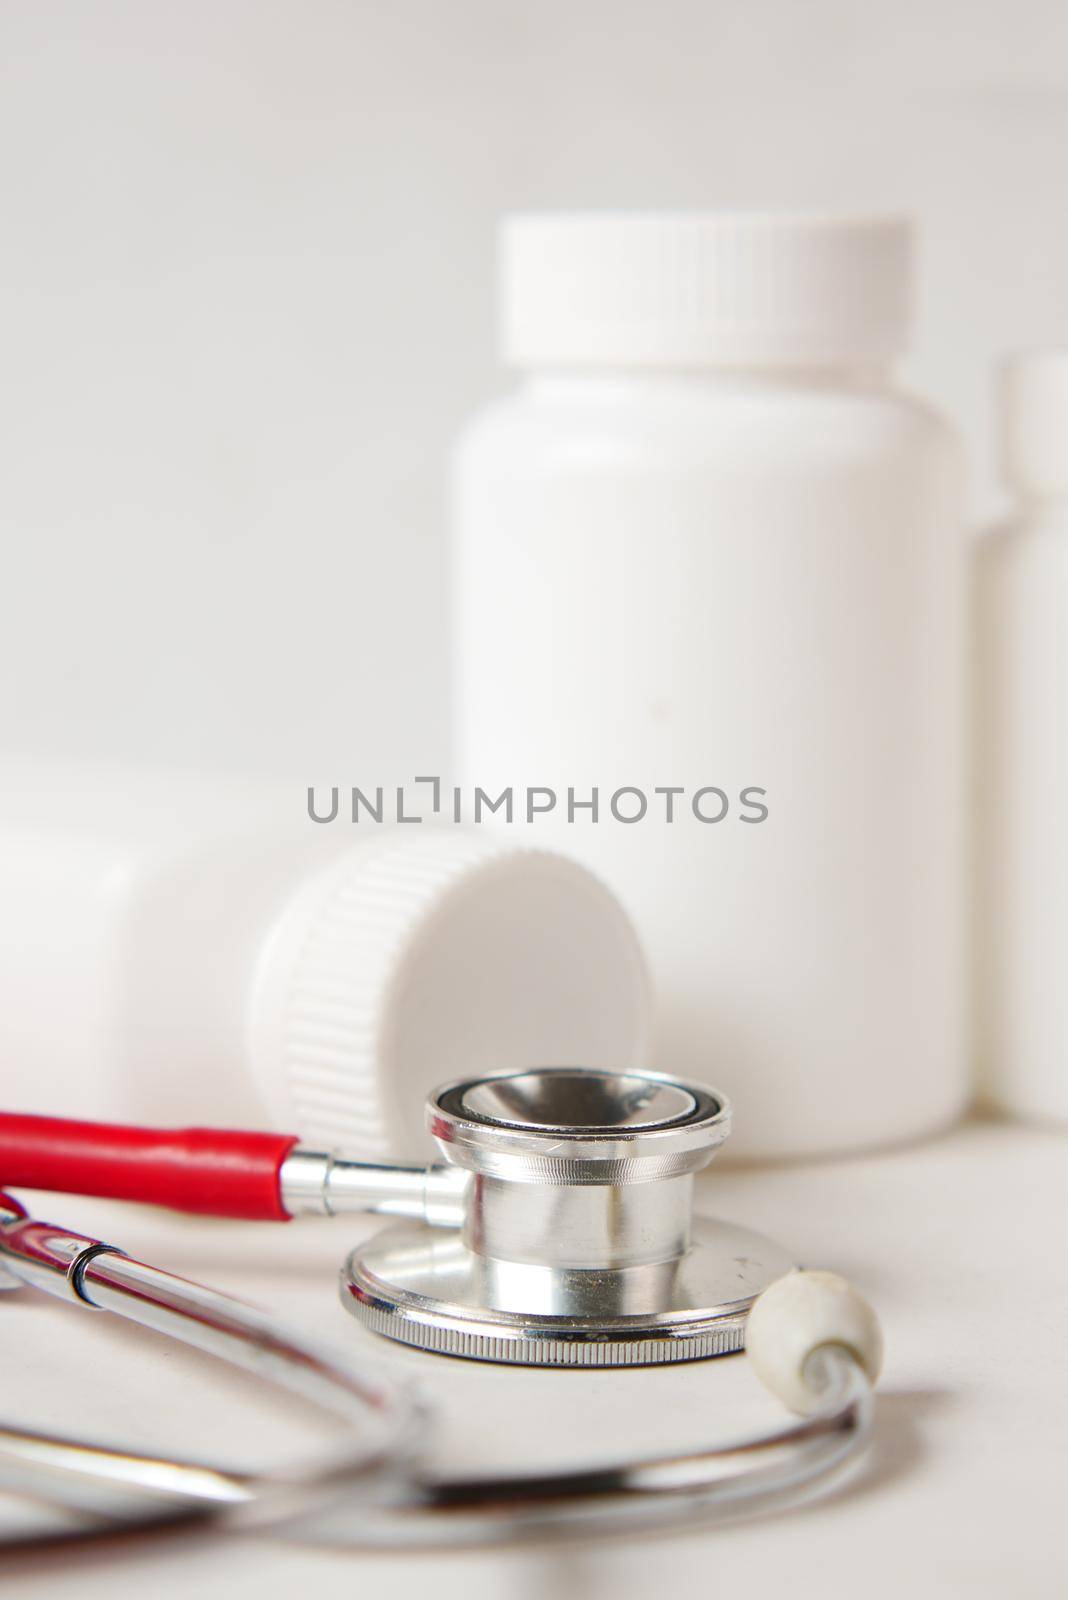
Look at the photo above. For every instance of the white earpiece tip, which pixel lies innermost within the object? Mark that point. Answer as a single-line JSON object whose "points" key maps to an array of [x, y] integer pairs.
{"points": [[797, 1315]]}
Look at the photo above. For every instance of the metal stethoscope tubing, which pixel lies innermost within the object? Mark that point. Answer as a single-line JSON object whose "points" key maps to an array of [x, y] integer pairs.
{"points": [[816, 1343], [103, 1489]]}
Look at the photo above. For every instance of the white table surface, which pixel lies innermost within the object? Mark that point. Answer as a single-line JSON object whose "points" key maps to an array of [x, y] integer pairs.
{"points": [[959, 1242]]}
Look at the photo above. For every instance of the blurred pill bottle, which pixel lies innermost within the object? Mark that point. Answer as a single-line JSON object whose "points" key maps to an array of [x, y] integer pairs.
{"points": [[1021, 727], [709, 597], [177, 950]]}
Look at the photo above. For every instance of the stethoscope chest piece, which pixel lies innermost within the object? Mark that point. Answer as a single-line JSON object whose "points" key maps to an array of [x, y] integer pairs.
{"points": [[570, 1238]]}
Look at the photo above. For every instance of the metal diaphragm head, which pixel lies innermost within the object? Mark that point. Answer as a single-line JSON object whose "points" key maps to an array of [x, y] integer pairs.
{"points": [[578, 1244]]}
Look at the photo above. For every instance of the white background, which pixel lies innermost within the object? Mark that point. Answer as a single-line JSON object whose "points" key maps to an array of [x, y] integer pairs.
{"points": [[246, 261], [246, 269]]}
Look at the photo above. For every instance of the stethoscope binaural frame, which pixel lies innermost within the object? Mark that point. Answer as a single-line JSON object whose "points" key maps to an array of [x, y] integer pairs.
{"points": [[520, 1148]]}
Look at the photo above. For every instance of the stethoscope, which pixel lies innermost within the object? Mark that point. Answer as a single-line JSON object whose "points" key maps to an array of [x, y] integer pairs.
{"points": [[559, 1231]]}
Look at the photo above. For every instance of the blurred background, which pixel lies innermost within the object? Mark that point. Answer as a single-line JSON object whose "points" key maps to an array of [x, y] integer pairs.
{"points": [[247, 257]]}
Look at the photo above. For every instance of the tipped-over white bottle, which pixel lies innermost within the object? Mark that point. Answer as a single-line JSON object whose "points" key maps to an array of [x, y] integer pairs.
{"points": [[174, 950], [1021, 707]]}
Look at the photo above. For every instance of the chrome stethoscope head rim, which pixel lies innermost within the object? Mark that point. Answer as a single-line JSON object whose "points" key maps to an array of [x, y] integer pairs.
{"points": [[588, 1123]]}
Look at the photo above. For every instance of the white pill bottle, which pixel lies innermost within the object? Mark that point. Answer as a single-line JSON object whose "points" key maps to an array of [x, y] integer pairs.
{"points": [[1022, 743], [181, 948], [706, 548]]}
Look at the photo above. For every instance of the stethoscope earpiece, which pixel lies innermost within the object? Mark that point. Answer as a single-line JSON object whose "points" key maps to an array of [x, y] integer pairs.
{"points": [[801, 1316]]}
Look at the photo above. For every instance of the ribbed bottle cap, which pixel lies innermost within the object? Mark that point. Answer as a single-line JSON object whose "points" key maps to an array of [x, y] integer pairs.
{"points": [[429, 954], [703, 289], [1034, 422]]}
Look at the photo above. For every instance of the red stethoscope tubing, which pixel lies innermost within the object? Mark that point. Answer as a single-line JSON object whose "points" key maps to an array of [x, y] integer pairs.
{"points": [[212, 1171]]}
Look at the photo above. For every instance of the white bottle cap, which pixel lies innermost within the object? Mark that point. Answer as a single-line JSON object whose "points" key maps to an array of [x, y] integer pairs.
{"points": [[428, 953], [704, 289], [1034, 422]]}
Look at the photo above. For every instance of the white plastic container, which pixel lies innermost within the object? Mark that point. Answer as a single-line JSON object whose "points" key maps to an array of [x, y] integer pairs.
{"points": [[1022, 743], [177, 952], [708, 544]]}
